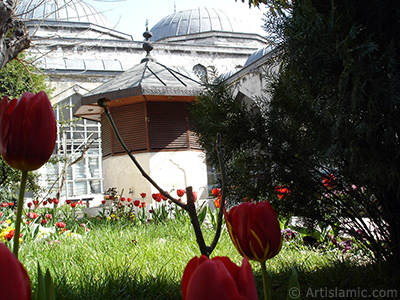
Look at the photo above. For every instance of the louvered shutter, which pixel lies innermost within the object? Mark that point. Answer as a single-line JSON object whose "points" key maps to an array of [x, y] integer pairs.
{"points": [[168, 127], [105, 136], [130, 122]]}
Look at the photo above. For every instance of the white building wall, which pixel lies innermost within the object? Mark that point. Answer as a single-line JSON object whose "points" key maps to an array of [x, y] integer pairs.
{"points": [[170, 170]]}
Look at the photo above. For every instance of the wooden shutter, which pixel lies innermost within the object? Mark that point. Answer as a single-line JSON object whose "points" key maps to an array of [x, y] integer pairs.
{"points": [[105, 136], [131, 125], [168, 127]]}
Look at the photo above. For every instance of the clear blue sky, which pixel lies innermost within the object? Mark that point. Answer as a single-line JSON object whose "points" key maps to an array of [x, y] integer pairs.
{"points": [[129, 16]]}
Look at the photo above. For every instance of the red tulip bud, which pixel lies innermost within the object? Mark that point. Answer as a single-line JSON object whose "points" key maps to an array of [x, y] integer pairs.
{"points": [[27, 131], [254, 230], [180, 193]]}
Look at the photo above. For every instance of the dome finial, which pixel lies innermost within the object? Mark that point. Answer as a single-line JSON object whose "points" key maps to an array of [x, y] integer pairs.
{"points": [[147, 45]]}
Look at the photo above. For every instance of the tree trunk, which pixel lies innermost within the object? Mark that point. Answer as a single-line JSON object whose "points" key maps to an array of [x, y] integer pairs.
{"points": [[13, 35]]}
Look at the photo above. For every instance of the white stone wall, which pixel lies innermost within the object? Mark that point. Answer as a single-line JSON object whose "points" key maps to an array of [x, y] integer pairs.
{"points": [[171, 170]]}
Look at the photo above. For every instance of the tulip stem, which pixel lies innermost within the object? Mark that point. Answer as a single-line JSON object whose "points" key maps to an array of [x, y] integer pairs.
{"points": [[20, 207], [266, 283]]}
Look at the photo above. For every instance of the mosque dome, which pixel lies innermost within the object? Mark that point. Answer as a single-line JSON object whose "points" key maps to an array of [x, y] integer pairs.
{"points": [[61, 10], [257, 55], [193, 21]]}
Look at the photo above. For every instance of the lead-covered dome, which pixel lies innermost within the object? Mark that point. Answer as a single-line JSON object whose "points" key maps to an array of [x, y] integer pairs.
{"points": [[61, 10], [193, 21]]}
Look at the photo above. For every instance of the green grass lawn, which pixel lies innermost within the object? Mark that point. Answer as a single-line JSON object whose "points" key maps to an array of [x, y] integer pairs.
{"points": [[118, 260]]}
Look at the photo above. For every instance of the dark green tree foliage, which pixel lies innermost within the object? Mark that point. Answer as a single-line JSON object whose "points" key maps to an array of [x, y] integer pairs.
{"points": [[333, 108], [216, 111]]}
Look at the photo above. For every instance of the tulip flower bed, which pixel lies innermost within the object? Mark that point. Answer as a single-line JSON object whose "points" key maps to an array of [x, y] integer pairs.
{"points": [[124, 260]]}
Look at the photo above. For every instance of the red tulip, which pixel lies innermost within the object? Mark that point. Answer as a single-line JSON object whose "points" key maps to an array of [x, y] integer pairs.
{"points": [[48, 216], [136, 202], [43, 222], [143, 195], [27, 131], [68, 202], [55, 201], [60, 225], [254, 230], [194, 196], [329, 181], [217, 278], [282, 191], [103, 202], [123, 199], [180, 193], [216, 192], [13, 277], [156, 197], [163, 197], [143, 204], [129, 199]]}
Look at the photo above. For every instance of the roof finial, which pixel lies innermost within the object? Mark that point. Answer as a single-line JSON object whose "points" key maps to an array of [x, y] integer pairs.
{"points": [[147, 45]]}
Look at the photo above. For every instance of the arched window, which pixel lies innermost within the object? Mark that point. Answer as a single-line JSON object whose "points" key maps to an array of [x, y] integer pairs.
{"points": [[200, 71]]}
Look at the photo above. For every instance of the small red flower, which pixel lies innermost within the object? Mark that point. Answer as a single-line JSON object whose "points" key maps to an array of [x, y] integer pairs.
{"points": [[194, 196], [180, 193], [68, 202], [50, 200], [329, 181], [216, 192], [282, 191], [43, 222], [103, 202], [55, 201], [32, 215], [4, 204], [163, 197], [44, 203], [136, 202], [73, 205], [156, 197], [217, 203], [143, 195], [29, 204], [129, 199], [123, 199], [143, 204], [48, 216], [60, 225]]}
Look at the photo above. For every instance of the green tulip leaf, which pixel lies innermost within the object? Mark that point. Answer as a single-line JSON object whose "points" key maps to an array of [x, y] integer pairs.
{"points": [[41, 290], [294, 287], [45, 289], [50, 294]]}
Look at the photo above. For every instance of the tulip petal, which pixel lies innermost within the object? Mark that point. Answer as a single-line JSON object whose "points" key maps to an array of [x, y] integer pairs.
{"points": [[218, 278], [254, 230], [13, 277], [32, 132]]}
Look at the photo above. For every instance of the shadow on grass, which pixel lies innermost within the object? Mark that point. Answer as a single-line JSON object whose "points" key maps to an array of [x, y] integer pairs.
{"points": [[341, 280], [117, 287]]}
